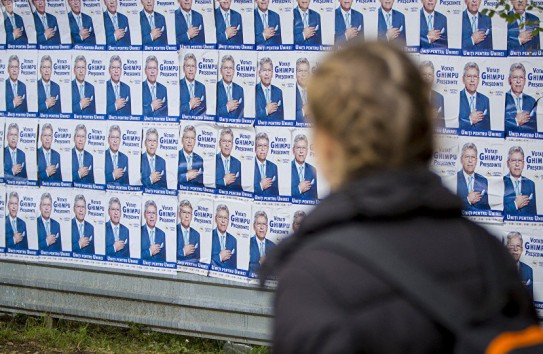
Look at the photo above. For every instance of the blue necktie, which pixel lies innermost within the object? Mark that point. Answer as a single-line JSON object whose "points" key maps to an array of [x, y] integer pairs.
{"points": [[517, 187], [116, 233], [227, 19], [153, 93], [229, 93], [227, 165], [14, 226], [48, 158], [389, 21], [263, 170], [115, 22], [80, 159], [472, 104], [474, 24], [186, 237], [189, 162], [152, 21], [301, 173], [47, 91], [47, 228], [192, 90], [347, 20], [14, 158], [262, 251], [153, 164], [82, 91], [430, 23], [152, 237], [44, 20], [189, 22], [268, 95], [115, 161], [14, 87], [470, 184], [117, 91], [519, 106], [79, 24], [306, 24], [223, 242], [80, 230], [265, 20]]}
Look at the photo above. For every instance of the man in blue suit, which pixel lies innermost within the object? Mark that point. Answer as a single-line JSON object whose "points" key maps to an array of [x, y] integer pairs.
{"points": [[349, 23], [303, 69], [154, 94], [82, 161], [307, 25], [520, 108], [436, 99], [228, 24], [153, 167], [267, 25], [81, 27], [49, 235], [16, 236], [228, 168], [390, 23], [189, 25], [223, 244], [471, 187], [266, 177], [190, 171], [49, 162], [116, 162], [230, 96], [14, 25], [49, 100], [153, 239], [268, 97], [47, 31], [520, 35], [153, 25], [474, 113], [15, 88], [514, 245], [259, 244], [304, 175], [519, 192], [14, 158], [117, 92], [192, 92], [83, 99], [117, 235], [433, 26], [188, 239], [116, 25], [82, 230], [476, 28]]}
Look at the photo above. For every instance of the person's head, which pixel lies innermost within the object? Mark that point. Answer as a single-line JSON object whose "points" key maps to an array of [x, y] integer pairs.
{"points": [[46, 65], [189, 66], [471, 77], [302, 71], [519, 6], [387, 4], [46, 136], [370, 112], [225, 4], [265, 71], [114, 138], [80, 137], [226, 141], [517, 78], [80, 68], [114, 210], [151, 141], [8, 4], [75, 5], [185, 4], [151, 69], [303, 4], [13, 204], [13, 135], [427, 71], [473, 6], [429, 5], [189, 138], [297, 219], [80, 207], [148, 5], [515, 161], [150, 213], [111, 6], [115, 68], [345, 4], [227, 68], [468, 158], [13, 67], [260, 225], [39, 5], [185, 213], [300, 147], [262, 5], [46, 203], [221, 217], [514, 244], [262, 145]]}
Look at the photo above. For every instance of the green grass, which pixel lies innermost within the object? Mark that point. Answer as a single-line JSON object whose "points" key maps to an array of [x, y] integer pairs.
{"points": [[28, 334]]}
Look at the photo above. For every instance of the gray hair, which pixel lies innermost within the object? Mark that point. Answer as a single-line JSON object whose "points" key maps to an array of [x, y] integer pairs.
{"points": [[300, 137], [189, 56], [46, 58], [189, 128], [301, 61], [149, 59], [261, 136], [80, 127], [265, 60], [468, 146], [517, 66], [114, 58], [511, 235], [427, 64], [12, 58], [114, 200], [44, 196], [13, 195], [259, 214], [13, 126], [151, 131], [79, 197], [80, 58], [471, 65], [185, 203], [148, 204], [226, 58], [222, 207], [226, 131], [513, 150], [46, 126], [114, 127]]}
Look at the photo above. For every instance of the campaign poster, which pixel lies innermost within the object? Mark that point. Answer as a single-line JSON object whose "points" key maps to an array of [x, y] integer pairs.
{"points": [[3, 33], [194, 227], [156, 24], [443, 162], [86, 20], [122, 157], [313, 24], [230, 239], [195, 24], [51, 24], [54, 153], [390, 21], [20, 83], [234, 24], [160, 86], [350, 19], [272, 166], [275, 91], [123, 229], [4, 76], [20, 152], [159, 158], [2, 138], [89, 210], [234, 170], [197, 156], [159, 233], [479, 177], [236, 86], [306, 64], [21, 233], [198, 83], [438, 27], [521, 40], [274, 24], [23, 31], [523, 163], [122, 25], [486, 36], [53, 218], [304, 182], [54, 86], [90, 142], [88, 84], [123, 86], [3, 216]]}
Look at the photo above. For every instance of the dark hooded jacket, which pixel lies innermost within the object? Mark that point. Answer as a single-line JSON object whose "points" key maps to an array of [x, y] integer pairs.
{"points": [[326, 303]]}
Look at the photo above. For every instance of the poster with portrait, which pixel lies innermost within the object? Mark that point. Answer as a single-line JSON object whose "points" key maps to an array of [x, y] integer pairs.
{"points": [[20, 158], [88, 85], [444, 157], [438, 23], [234, 23], [486, 36], [521, 40], [195, 24], [304, 181], [54, 88], [306, 64], [53, 218], [122, 157], [3, 216], [123, 86], [23, 33], [20, 83], [160, 86], [21, 235], [88, 227], [50, 23], [156, 20], [86, 20], [274, 24], [54, 154], [159, 158], [392, 21], [122, 25], [2, 139], [87, 153], [313, 24]]}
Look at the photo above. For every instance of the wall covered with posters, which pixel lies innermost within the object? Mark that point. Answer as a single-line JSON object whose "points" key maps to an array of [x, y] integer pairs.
{"points": [[169, 136]]}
